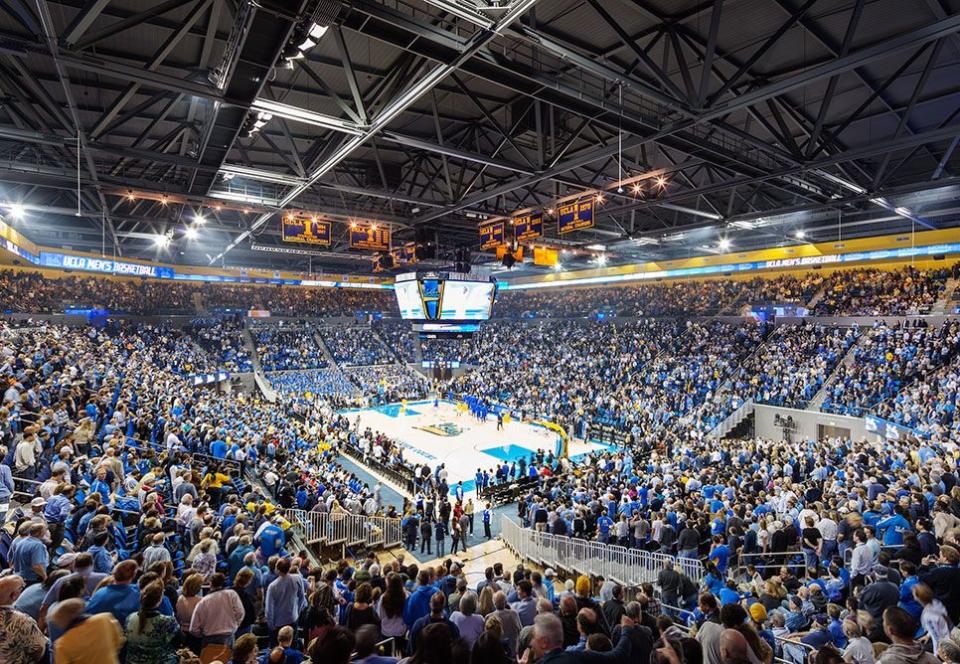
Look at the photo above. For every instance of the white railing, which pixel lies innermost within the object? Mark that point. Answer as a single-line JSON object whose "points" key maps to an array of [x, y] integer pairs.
{"points": [[730, 422], [348, 529], [629, 567]]}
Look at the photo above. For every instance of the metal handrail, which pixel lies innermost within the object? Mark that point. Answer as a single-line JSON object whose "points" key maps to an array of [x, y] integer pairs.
{"points": [[629, 567]]}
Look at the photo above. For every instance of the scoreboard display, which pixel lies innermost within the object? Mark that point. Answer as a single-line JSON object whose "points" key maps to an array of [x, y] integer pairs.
{"points": [[444, 297]]}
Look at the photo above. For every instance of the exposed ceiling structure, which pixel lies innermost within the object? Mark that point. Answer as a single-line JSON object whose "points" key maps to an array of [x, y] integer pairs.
{"points": [[706, 125]]}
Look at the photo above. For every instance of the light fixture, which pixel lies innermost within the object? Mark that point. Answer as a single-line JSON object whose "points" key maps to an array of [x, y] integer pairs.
{"points": [[191, 233], [596, 247], [130, 196], [353, 225], [743, 224], [800, 234], [637, 189], [260, 174], [551, 211], [557, 267], [162, 240], [218, 208], [163, 200], [903, 212], [601, 260], [306, 116], [724, 243], [661, 181], [17, 210], [620, 189], [199, 219], [373, 227], [599, 198]]}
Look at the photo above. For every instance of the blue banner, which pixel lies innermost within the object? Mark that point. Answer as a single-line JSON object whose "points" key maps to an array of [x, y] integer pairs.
{"points": [[527, 227], [371, 238], [306, 230], [575, 217], [491, 235]]}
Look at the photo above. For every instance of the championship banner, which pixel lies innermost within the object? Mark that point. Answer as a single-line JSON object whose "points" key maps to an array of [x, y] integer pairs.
{"points": [[491, 235], [406, 253], [371, 238], [306, 230], [527, 227], [575, 217]]}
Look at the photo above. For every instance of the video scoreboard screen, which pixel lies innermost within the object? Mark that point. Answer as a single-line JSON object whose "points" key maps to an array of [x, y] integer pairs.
{"points": [[444, 297]]}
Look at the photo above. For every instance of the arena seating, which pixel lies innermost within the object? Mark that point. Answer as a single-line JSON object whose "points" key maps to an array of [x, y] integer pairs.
{"points": [[134, 463]]}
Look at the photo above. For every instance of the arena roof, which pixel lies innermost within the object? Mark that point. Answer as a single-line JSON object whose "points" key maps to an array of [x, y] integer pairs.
{"points": [[742, 123]]}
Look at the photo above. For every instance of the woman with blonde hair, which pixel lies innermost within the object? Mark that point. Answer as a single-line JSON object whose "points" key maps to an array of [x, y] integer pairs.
{"points": [[485, 606]]}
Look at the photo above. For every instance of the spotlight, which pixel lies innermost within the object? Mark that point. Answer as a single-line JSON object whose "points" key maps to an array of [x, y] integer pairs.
{"points": [[162, 241], [163, 200], [724, 243], [551, 211], [373, 227], [218, 208], [17, 211], [200, 219], [661, 182], [599, 198], [130, 196], [637, 189], [557, 267], [800, 234], [191, 233], [353, 225]]}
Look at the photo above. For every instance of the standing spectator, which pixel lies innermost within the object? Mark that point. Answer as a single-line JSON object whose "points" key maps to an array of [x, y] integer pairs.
{"points": [[217, 617], [21, 641], [900, 628], [285, 599], [85, 638], [468, 622], [152, 638], [120, 598]]}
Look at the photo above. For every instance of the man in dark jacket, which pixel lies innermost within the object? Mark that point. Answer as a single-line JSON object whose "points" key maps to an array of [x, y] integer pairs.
{"points": [[547, 645], [613, 608]]}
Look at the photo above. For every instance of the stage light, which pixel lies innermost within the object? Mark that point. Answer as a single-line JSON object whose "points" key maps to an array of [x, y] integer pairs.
{"points": [[800, 234], [551, 211], [661, 182], [599, 198], [724, 243], [353, 225], [637, 189], [130, 196], [163, 200], [17, 211], [191, 233], [200, 219], [373, 227], [218, 208], [162, 241], [557, 267]]}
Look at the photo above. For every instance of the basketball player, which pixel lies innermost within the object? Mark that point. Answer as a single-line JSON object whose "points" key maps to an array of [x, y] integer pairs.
{"points": [[499, 421]]}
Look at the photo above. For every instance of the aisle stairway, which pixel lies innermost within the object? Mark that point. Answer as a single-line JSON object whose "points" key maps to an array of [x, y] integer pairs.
{"points": [[944, 303], [847, 360], [817, 296], [259, 377]]}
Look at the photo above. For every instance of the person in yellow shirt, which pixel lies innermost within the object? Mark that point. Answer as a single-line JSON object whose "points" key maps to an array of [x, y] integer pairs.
{"points": [[95, 639]]}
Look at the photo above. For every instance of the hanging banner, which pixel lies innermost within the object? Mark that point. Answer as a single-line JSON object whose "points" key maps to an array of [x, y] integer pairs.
{"points": [[305, 230], [406, 253], [371, 238], [491, 235], [528, 227], [575, 217]]}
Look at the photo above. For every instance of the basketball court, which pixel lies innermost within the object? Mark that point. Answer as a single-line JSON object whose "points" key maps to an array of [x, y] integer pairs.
{"points": [[442, 434]]}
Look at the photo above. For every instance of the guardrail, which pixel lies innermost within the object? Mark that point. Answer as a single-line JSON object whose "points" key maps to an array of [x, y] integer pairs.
{"points": [[628, 567], [347, 529]]}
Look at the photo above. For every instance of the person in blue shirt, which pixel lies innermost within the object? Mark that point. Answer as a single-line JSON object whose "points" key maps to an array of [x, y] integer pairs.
{"points": [[719, 554], [120, 598], [102, 560], [29, 557], [907, 601], [218, 449], [604, 524], [893, 527], [418, 603], [271, 539]]}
